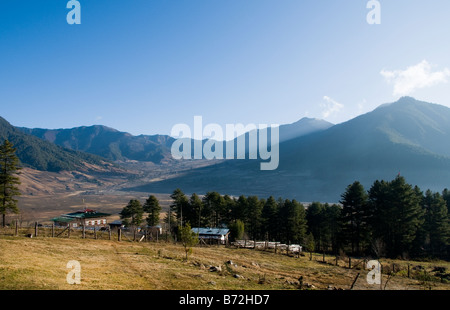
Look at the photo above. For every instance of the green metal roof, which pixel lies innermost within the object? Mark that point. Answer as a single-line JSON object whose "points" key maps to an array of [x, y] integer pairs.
{"points": [[86, 215], [62, 219]]}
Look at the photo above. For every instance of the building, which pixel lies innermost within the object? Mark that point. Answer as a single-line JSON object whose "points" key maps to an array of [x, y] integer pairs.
{"points": [[86, 217], [212, 235], [116, 224]]}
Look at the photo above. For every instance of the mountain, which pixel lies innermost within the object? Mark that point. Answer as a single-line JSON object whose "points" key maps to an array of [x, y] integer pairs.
{"points": [[302, 127], [108, 143], [115, 145], [409, 137], [46, 156]]}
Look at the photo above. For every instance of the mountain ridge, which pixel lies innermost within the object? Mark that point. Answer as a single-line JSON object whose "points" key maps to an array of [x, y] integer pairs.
{"points": [[115, 145], [319, 166], [46, 156]]}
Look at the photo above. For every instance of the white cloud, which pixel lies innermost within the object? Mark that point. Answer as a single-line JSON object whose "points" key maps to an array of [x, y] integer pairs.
{"points": [[415, 77], [330, 107]]}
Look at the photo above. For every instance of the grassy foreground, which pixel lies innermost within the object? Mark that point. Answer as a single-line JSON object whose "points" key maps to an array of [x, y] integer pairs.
{"points": [[40, 263]]}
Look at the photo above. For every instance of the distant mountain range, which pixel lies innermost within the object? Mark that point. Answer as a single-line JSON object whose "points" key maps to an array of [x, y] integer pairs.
{"points": [[119, 146], [317, 159], [409, 137], [46, 156], [108, 143]]}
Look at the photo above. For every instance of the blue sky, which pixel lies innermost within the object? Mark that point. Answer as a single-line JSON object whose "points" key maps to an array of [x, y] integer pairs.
{"points": [[142, 66]]}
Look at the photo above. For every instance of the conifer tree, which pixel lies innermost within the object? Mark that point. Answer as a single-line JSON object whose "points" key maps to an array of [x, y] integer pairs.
{"points": [[152, 207], [9, 180], [132, 213], [180, 204], [355, 216], [436, 223]]}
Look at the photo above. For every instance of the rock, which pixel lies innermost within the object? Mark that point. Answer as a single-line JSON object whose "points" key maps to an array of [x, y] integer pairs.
{"points": [[215, 269], [231, 263]]}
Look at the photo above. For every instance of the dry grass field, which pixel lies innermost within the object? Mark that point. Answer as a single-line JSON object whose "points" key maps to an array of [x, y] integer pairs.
{"points": [[40, 263]]}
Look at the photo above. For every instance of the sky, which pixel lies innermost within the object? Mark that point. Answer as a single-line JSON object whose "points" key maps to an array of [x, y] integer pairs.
{"points": [[143, 66]]}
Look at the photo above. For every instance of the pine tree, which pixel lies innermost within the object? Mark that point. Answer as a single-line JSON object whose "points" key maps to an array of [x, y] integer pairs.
{"points": [[269, 218], [152, 207], [132, 213], [9, 180], [436, 224], [214, 209], [446, 196], [193, 214], [229, 204], [253, 217], [332, 226], [408, 215], [180, 204], [293, 224], [316, 225], [382, 220], [355, 216]]}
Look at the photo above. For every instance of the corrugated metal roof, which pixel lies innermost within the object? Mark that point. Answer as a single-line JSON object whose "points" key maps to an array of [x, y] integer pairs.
{"points": [[210, 231]]}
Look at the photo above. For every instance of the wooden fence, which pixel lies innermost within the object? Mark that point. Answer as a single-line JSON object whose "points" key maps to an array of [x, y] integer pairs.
{"points": [[92, 232]]}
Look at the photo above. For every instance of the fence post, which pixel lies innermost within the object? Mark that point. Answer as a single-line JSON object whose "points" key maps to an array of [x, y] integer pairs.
{"points": [[409, 269], [68, 230], [119, 234], [95, 232], [84, 230], [109, 232], [53, 229], [17, 227], [349, 263], [381, 276], [35, 229]]}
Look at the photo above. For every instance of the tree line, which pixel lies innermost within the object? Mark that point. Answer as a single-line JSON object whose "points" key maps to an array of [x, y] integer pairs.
{"points": [[391, 219], [395, 219]]}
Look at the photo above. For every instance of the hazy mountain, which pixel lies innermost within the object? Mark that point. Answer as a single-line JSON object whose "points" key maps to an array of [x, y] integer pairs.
{"points": [[108, 142], [115, 145], [408, 137], [46, 156], [302, 127]]}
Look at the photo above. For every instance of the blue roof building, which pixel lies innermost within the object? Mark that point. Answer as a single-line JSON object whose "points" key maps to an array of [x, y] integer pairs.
{"points": [[219, 235]]}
